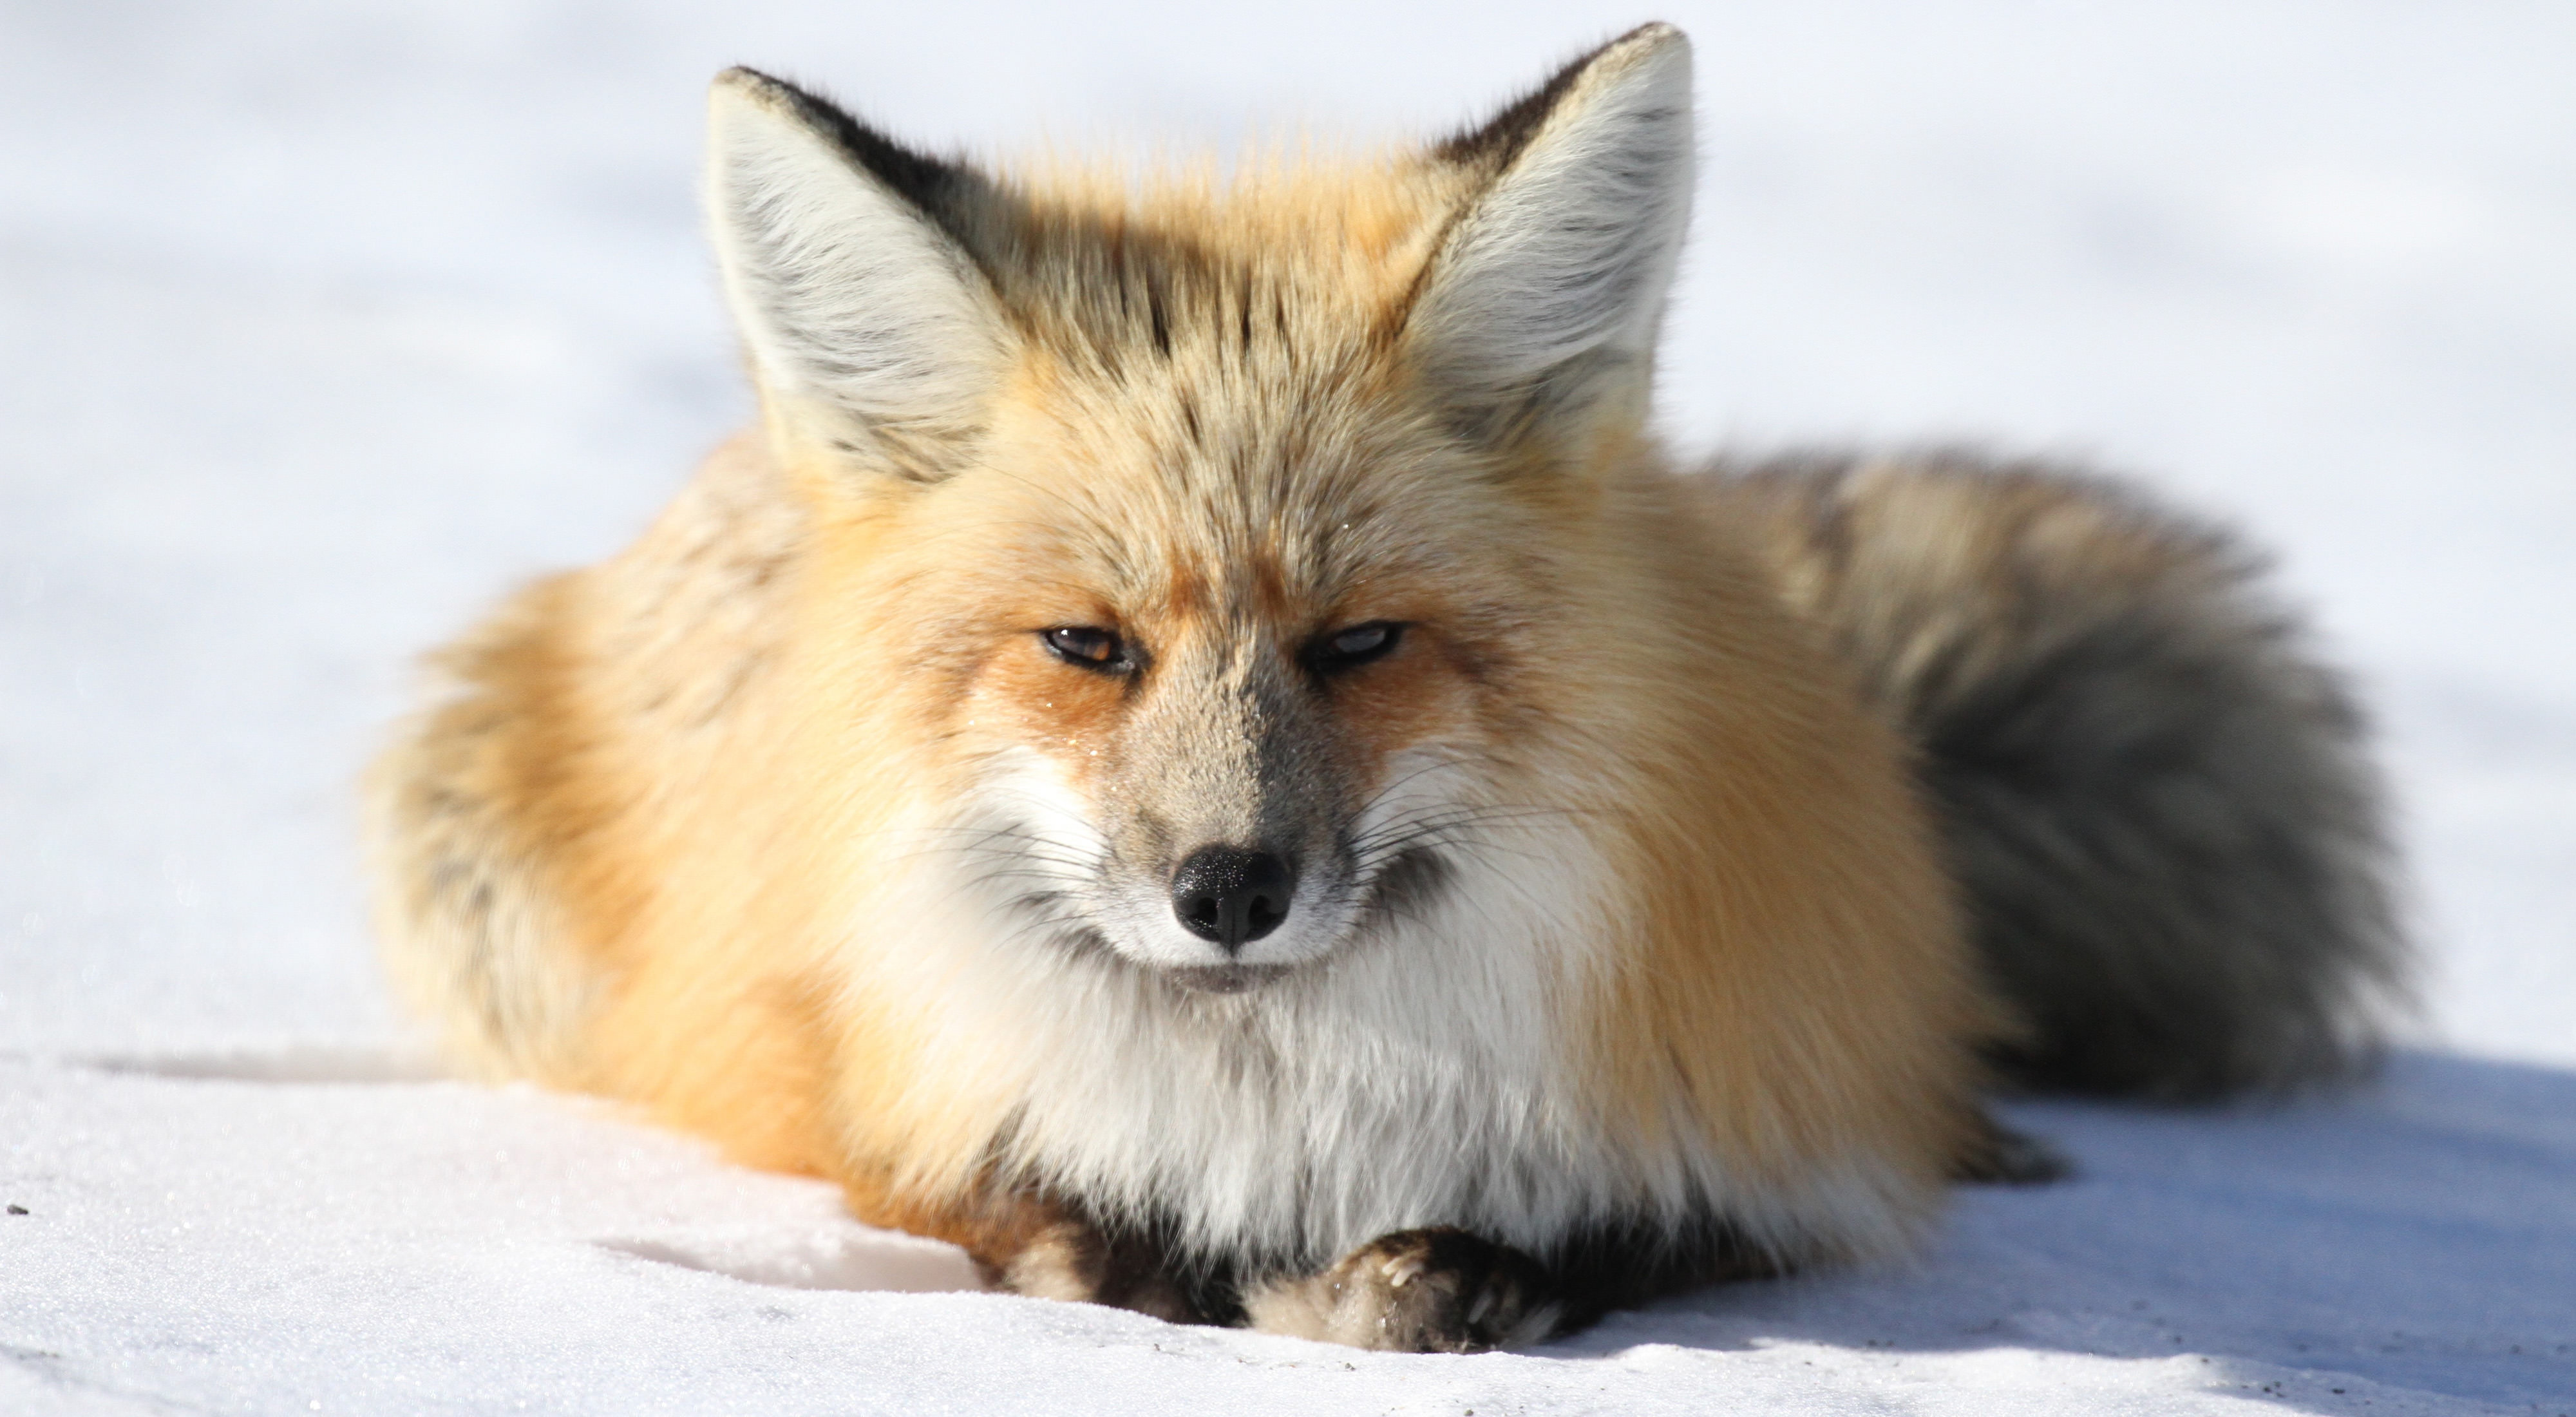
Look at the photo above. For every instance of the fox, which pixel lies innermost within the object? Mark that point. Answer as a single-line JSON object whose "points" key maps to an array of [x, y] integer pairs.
{"points": [[1201, 749]]}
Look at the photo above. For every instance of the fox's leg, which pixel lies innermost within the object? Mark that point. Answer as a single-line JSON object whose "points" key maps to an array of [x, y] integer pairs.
{"points": [[1072, 1258], [1443, 1290], [1029, 1243]]}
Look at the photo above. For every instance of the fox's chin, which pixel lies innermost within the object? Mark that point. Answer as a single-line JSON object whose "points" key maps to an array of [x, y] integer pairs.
{"points": [[1225, 978]]}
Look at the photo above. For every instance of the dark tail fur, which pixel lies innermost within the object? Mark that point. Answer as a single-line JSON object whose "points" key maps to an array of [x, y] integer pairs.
{"points": [[2157, 802]]}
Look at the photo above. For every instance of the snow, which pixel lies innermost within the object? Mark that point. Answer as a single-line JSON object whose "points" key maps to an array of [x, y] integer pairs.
{"points": [[320, 323]]}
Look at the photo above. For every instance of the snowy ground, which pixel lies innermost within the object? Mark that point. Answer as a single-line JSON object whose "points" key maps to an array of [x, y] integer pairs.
{"points": [[320, 323]]}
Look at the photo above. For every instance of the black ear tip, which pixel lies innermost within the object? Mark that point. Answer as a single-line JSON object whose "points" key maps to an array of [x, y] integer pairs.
{"points": [[1652, 42], [920, 177], [768, 89], [751, 83], [1498, 138]]}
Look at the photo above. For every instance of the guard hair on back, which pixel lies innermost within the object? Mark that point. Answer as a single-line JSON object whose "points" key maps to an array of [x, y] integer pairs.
{"points": [[1200, 749]]}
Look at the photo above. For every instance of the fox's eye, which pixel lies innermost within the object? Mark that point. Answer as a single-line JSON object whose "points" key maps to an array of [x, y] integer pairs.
{"points": [[1088, 647], [1355, 646]]}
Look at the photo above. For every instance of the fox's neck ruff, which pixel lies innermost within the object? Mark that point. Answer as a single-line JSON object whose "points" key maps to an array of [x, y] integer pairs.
{"points": [[1440, 1068]]}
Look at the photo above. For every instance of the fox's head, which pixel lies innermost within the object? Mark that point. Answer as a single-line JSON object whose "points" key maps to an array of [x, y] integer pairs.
{"points": [[1238, 538]]}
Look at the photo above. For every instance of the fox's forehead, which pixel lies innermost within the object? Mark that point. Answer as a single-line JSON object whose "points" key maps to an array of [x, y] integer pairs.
{"points": [[1307, 247], [1283, 537], [1180, 483]]}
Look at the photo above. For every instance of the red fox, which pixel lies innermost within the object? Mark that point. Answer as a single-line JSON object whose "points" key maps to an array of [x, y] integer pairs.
{"points": [[1200, 750]]}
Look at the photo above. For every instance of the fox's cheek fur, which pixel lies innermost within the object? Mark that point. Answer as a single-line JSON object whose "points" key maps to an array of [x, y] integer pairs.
{"points": [[1022, 694]]}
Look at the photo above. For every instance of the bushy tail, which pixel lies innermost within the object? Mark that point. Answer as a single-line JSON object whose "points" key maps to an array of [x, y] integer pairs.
{"points": [[2170, 840], [459, 856]]}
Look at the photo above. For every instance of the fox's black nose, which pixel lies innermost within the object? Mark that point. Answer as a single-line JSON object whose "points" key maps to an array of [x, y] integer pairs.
{"points": [[1231, 896]]}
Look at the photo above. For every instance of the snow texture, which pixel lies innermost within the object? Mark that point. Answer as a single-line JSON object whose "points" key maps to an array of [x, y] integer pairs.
{"points": [[321, 323]]}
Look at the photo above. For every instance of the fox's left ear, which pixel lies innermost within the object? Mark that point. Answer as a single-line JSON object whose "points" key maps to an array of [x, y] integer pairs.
{"points": [[870, 327], [1549, 287]]}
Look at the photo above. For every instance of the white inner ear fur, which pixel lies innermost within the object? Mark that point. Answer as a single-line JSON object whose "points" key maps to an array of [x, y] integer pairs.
{"points": [[846, 294], [1571, 249]]}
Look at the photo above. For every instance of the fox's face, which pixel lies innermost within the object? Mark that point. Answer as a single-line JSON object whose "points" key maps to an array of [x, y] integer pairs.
{"points": [[1238, 525], [1235, 701]]}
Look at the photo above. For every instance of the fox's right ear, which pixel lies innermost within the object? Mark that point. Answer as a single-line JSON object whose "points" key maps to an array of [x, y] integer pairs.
{"points": [[1548, 289], [867, 322]]}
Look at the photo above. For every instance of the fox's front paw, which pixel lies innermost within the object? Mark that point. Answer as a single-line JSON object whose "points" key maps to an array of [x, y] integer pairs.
{"points": [[1417, 1291]]}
